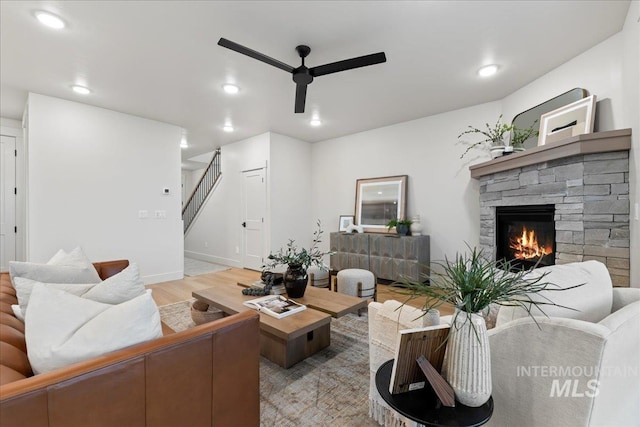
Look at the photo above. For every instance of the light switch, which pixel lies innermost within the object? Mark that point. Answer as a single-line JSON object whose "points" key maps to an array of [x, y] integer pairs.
{"points": [[143, 214], [160, 214]]}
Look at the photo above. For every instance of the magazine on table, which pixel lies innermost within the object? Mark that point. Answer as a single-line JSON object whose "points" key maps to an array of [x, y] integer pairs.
{"points": [[277, 306]]}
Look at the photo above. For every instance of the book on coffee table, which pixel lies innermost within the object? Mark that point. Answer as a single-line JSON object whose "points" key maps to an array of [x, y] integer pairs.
{"points": [[277, 306]]}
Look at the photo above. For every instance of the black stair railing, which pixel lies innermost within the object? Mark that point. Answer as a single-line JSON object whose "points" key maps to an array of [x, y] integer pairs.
{"points": [[201, 191]]}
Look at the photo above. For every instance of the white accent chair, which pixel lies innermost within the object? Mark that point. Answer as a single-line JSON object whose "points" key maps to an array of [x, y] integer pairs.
{"points": [[579, 368]]}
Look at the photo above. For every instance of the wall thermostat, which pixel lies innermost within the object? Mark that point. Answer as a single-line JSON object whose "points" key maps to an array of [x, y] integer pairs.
{"points": [[166, 191]]}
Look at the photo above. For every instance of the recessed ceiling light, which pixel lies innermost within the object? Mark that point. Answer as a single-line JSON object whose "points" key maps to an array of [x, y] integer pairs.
{"points": [[81, 90], [183, 140], [315, 122], [488, 70], [227, 128], [50, 20], [230, 88]]}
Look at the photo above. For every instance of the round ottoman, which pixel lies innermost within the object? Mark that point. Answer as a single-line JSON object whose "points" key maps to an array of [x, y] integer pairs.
{"points": [[357, 282], [318, 277]]}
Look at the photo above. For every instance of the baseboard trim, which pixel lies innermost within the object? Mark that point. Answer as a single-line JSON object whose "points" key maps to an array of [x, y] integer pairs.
{"points": [[163, 277], [214, 259]]}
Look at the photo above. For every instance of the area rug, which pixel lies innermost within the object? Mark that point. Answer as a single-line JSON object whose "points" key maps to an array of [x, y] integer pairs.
{"points": [[329, 388], [195, 267]]}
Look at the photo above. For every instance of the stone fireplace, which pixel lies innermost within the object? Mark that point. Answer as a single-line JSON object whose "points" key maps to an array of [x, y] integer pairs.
{"points": [[584, 180]]}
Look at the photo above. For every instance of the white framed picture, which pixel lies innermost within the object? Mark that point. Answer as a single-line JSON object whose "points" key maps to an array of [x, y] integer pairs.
{"points": [[573, 119], [345, 222]]}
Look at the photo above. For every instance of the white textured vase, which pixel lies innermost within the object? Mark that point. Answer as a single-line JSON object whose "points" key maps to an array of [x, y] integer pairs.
{"points": [[468, 360], [416, 226]]}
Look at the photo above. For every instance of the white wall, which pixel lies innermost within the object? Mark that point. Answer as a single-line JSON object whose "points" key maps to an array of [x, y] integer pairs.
{"points": [[289, 192], [90, 170], [217, 232], [440, 188], [610, 70]]}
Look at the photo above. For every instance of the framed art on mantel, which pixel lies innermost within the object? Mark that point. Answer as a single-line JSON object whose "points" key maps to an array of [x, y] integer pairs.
{"points": [[573, 119], [379, 200]]}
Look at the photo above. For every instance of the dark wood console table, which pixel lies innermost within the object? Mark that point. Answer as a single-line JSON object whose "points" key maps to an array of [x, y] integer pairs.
{"points": [[389, 256], [423, 406]]}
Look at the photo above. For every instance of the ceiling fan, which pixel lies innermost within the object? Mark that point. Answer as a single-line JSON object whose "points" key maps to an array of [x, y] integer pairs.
{"points": [[302, 75]]}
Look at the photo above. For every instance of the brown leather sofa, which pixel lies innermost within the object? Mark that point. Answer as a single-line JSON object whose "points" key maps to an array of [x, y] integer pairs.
{"points": [[204, 376]]}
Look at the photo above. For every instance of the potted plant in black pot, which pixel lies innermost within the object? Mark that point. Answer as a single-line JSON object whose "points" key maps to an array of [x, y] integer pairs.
{"points": [[297, 262], [402, 226]]}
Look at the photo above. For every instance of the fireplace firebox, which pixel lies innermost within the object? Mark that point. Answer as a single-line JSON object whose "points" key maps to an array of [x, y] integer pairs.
{"points": [[526, 235]]}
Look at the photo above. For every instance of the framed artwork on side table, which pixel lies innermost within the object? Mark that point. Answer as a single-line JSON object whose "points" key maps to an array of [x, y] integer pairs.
{"points": [[345, 221]]}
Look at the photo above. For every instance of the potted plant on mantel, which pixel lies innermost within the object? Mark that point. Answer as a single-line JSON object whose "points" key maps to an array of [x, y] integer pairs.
{"points": [[472, 284], [519, 136], [402, 226], [297, 262], [493, 138]]}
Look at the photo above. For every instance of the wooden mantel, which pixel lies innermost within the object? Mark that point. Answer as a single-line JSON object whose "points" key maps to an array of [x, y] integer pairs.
{"points": [[599, 142]]}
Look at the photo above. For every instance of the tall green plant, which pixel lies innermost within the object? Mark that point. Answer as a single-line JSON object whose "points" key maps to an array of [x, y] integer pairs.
{"points": [[304, 257], [471, 283]]}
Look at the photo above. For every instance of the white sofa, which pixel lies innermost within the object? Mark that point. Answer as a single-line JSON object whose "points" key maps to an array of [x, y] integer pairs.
{"points": [[578, 368]]}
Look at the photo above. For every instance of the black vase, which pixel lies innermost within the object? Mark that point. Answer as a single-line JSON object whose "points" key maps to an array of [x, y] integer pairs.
{"points": [[295, 281]]}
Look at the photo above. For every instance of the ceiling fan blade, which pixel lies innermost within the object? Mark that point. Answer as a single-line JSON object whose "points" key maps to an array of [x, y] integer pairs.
{"points": [[255, 55], [301, 96], [348, 64]]}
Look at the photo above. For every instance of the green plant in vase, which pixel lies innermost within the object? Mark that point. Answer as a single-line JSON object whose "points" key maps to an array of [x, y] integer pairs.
{"points": [[493, 137], [472, 283], [519, 135], [298, 260], [402, 226]]}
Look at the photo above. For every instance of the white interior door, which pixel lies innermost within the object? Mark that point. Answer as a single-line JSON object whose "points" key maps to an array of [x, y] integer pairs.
{"points": [[7, 201], [254, 209]]}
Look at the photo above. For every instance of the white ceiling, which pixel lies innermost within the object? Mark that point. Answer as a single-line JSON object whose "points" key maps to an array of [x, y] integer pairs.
{"points": [[160, 59]]}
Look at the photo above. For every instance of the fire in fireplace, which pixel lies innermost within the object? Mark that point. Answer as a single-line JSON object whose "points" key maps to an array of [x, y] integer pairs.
{"points": [[526, 235]]}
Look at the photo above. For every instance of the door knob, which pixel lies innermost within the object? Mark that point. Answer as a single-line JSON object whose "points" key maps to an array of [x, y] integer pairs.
{"points": [[244, 224]]}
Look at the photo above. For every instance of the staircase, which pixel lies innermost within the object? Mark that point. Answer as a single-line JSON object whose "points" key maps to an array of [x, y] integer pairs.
{"points": [[201, 191]]}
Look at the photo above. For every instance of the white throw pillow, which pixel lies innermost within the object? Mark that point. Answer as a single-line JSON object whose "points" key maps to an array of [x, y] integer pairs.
{"points": [[24, 288], [58, 257], [591, 302], [118, 288], [75, 258], [53, 273], [63, 267], [17, 311], [62, 329]]}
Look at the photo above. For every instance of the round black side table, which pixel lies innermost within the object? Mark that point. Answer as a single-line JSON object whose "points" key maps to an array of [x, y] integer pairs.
{"points": [[424, 407]]}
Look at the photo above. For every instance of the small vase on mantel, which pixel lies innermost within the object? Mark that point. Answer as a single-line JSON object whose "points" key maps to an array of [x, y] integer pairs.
{"points": [[416, 226], [468, 359]]}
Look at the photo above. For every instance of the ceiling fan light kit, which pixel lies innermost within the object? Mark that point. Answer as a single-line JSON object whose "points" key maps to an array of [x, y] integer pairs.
{"points": [[302, 75]]}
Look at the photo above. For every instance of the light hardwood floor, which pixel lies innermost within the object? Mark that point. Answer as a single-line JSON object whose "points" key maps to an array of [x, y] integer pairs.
{"points": [[180, 290]]}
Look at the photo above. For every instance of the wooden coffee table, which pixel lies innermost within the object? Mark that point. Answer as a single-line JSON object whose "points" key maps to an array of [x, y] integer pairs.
{"points": [[322, 299], [283, 341], [289, 340]]}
